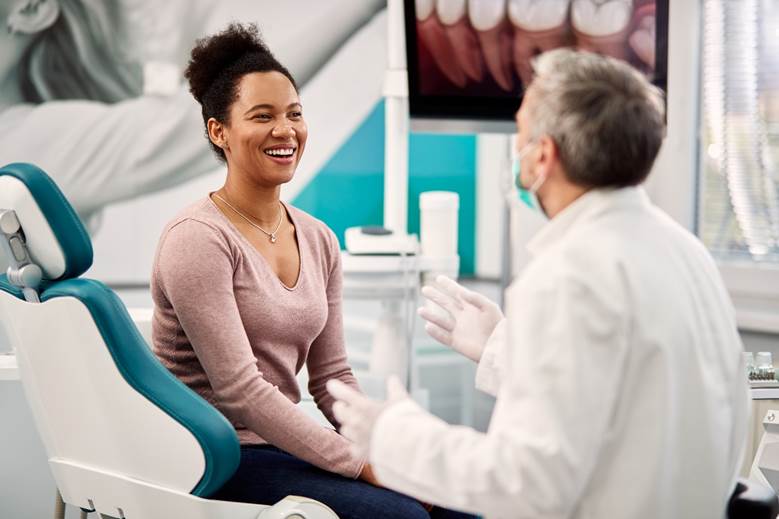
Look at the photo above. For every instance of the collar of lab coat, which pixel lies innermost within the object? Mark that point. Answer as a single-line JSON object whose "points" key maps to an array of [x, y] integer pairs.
{"points": [[585, 207]]}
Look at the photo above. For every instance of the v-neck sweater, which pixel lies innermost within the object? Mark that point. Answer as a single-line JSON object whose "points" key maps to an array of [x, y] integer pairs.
{"points": [[227, 327]]}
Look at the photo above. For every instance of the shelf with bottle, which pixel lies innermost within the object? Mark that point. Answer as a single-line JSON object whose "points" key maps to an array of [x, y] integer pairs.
{"points": [[760, 369]]}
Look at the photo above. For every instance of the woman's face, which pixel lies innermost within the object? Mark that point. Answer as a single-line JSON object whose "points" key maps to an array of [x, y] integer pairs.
{"points": [[267, 134]]}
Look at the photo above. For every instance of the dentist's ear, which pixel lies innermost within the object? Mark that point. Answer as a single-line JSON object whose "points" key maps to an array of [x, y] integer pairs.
{"points": [[548, 154], [32, 16]]}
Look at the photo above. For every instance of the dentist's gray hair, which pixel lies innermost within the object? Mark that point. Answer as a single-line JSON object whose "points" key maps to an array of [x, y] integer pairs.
{"points": [[606, 118]]}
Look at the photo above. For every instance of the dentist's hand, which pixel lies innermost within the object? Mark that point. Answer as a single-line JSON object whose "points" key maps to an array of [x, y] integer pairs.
{"points": [[358, 413], [469, 320]]}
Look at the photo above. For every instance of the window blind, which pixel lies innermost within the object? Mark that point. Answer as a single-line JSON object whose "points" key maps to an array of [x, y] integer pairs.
{"points": [[738, 195]]}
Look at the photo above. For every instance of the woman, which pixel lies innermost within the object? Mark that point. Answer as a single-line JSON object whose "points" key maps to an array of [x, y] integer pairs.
{"points": [[247, 289]]}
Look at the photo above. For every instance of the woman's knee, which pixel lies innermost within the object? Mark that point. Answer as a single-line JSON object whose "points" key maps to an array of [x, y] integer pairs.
{"points": [[399, 506], [419, 512], [411, 511]]}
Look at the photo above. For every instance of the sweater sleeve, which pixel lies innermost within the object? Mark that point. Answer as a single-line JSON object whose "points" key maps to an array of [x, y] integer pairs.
{"points": [[195, 268], [327, 356]]}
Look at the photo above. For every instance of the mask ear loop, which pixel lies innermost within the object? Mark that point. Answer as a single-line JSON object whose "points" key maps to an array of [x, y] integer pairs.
{"points": [[516, 162], [537, 184]]}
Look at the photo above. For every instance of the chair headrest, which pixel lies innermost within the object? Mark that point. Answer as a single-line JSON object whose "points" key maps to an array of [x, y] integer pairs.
{"points": [[56, 238]]}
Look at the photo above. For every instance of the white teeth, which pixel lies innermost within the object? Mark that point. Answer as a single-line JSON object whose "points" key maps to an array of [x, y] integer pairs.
{"points": [[450, 11], [601, 17], [424, 8], [538, 15], [486, 14], [280, 152]]}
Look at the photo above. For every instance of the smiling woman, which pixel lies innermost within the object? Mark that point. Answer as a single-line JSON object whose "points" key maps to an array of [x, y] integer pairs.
{"points": [[247, 290]]}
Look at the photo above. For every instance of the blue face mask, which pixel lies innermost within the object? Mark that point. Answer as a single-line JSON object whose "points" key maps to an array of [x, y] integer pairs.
{"points": [[526, 195]]}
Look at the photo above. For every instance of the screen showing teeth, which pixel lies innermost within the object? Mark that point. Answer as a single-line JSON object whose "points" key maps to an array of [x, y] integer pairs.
{"points": [[483, 48]]}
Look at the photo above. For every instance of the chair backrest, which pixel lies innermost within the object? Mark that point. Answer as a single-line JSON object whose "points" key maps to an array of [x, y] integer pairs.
{"points": [[100, 399]]}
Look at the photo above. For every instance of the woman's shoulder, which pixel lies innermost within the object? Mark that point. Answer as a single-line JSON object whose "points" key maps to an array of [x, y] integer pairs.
{"points": [[199, 221], [203, 211], [195, 240]]}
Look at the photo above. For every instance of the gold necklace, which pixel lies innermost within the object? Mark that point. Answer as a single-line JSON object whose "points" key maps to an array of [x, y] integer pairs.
{"points": [[271, 235]]}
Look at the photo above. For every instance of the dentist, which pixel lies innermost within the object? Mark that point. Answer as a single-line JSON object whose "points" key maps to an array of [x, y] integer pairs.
{"points": [[618, 373]]}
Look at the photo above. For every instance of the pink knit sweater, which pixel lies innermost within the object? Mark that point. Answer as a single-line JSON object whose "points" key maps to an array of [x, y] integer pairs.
{"points": [[226, 325]]}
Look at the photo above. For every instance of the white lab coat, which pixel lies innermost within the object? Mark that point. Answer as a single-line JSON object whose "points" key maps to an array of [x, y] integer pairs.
{"points": [[620, 385]]}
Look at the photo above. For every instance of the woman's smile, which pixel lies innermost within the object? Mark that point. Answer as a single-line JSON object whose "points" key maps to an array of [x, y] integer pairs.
{"points": [[282, 154]]}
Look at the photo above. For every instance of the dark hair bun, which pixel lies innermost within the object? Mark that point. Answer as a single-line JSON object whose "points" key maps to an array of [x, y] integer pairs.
{"points": [[212, 55]]}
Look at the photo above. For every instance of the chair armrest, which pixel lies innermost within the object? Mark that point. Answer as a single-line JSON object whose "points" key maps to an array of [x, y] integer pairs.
{"points": [[295, 507]]}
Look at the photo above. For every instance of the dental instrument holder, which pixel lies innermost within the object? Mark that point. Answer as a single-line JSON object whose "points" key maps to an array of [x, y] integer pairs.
{"points": [[392, 351], [22, 272], [394, 280], [379, 241]]}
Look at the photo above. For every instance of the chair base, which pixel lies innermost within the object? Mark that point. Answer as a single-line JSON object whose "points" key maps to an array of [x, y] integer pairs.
{"points": [[117, 496]]}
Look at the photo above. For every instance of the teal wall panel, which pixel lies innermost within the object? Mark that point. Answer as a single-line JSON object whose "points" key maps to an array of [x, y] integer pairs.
{"points": [[349, 190]]}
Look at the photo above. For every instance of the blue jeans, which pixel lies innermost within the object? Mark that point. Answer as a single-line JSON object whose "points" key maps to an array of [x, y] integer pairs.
{"points": [[267, 475]]}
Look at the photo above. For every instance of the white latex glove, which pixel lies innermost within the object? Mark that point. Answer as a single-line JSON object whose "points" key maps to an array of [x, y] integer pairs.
{"points": [[468, 322], [358, 414]]}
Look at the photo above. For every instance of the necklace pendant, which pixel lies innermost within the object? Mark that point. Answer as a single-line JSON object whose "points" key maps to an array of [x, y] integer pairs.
{"points": [[273, 237]]}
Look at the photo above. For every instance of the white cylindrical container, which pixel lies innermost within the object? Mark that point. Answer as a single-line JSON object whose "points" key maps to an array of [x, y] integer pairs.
{"points": [[438, 213]]}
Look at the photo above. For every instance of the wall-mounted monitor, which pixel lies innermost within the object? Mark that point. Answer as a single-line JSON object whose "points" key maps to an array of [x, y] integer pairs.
{"points": [[469, 60]]}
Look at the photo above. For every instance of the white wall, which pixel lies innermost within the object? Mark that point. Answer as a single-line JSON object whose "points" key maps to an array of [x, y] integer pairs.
{"points": [[672, 183], [493, 164]]}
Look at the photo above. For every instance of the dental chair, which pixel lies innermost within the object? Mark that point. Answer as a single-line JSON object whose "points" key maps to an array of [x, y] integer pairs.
{"points": [[123, 436]]}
